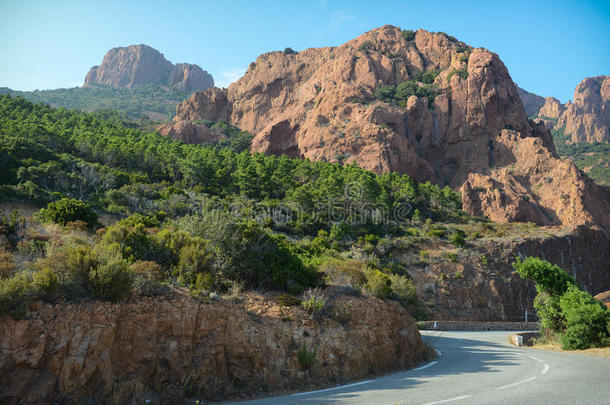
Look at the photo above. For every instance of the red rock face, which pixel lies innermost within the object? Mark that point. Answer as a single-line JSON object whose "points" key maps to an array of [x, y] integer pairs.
{"points": [[531, 102], [587, 119], [140, 65], [475, 136]]}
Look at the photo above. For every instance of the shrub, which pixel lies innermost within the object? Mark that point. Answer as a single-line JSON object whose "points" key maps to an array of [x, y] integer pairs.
{"points": [[111, 281], [409, 35], [289, 51], [195, 258], [385, 93], [314, 302], [306, 357], [149, 270], [458, 239], [45, 283], [137, 243], [344, 272], [12, 226], [462, 73], [403, 289], [437, 233], [287, 300], [548, 277], [7, 265], [365, 46], [378, 284], [68, 210], [586, 320], [427, 76], [13, 295]]}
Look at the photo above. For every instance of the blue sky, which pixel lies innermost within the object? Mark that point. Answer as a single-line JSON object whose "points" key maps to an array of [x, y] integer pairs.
{"points": [[548, 46]]}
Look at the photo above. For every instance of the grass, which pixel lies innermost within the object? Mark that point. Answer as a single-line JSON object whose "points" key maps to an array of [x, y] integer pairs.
{"points": [[554, 346]]}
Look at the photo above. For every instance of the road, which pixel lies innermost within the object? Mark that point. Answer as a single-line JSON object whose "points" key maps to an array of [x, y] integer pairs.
{"points": [[476, 368]]}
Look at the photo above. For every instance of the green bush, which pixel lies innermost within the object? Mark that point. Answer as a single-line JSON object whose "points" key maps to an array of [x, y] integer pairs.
{"points": [[403, 289], [427, 76], [437, 233], [378, 284], [458, 239], [462, 73], [586, 320], [195, 258], [45, 283], [13, 295], [306, 357], [314, 302], [111, 281], [68, 210], [365, 46], [409, 35], [548, 277]]}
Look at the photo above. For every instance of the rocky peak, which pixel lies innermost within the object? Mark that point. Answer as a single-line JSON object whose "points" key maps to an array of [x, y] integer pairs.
{"points": [[140, 65], [420, 103], [587, 118], [531, 102]]}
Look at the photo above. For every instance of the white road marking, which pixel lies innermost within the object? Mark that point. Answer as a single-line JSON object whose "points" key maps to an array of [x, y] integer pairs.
{"points": [[515, 384], [438, 352], [426, 365], [448, 400], [535, 358], [545, 369], [331, 389]]}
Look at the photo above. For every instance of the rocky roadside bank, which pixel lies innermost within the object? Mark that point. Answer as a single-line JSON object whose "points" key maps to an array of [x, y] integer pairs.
{"points": [[170, 348]]}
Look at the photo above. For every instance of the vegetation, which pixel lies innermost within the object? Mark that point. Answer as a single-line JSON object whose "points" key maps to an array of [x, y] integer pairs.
{"points": [[409, 35], [133, 103], [462, 73], [593, 158], [422, 85], [565, 311], [208, 219]]}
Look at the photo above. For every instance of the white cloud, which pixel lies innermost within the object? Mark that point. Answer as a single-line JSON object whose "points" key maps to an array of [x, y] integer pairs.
{"points": [[229, 76]]}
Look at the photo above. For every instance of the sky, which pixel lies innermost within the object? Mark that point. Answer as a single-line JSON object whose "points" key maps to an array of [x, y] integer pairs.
{"points": [[548, 46]]}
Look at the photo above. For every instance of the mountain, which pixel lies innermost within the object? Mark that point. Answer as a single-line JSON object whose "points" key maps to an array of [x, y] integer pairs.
{"points": [[531, 102], [587, 118], [580, 129], [141, 65], [419, 103]]}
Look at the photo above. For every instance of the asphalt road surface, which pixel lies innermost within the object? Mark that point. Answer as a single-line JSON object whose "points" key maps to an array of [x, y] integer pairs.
{"points": [[476, 368]]}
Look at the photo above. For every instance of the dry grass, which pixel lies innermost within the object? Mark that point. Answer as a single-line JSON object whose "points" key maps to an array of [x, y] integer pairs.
{"points": [[556, 347]]}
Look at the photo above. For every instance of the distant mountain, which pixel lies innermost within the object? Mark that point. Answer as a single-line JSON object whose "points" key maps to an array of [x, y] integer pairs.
{"points": [[581, 128], [531, 102], [141, 65], [413, 102]]}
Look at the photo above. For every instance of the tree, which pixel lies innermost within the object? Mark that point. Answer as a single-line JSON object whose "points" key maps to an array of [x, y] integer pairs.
{"points": [[68, 210]]}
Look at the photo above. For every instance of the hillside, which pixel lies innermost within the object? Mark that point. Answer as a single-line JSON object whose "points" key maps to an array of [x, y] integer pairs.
{"points": [[149, 102], [419, 103], [136, 81], [580, 128]]}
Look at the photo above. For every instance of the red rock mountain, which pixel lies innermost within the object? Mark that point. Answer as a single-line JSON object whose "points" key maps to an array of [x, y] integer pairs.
{"points": [[140, 65], [587, 118], [321, 104], [531, 102]]}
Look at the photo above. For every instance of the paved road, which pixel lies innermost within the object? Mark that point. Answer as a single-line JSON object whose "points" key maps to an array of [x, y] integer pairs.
{"points": [[477, 368]]}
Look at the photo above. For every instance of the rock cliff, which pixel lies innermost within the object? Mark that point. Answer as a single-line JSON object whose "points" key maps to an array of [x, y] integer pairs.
{"points": [[531, 102], [474, 135], [140, 65], [587, 118], [168, 348]]}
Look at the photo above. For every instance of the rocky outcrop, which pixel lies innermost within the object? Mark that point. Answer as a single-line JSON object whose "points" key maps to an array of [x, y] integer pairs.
{"points": [[169, 348], [552, 108], [320, 104], [531, 102], [481, 285], [190, 132], [587, 118], [140, 65], [604, 297]]}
